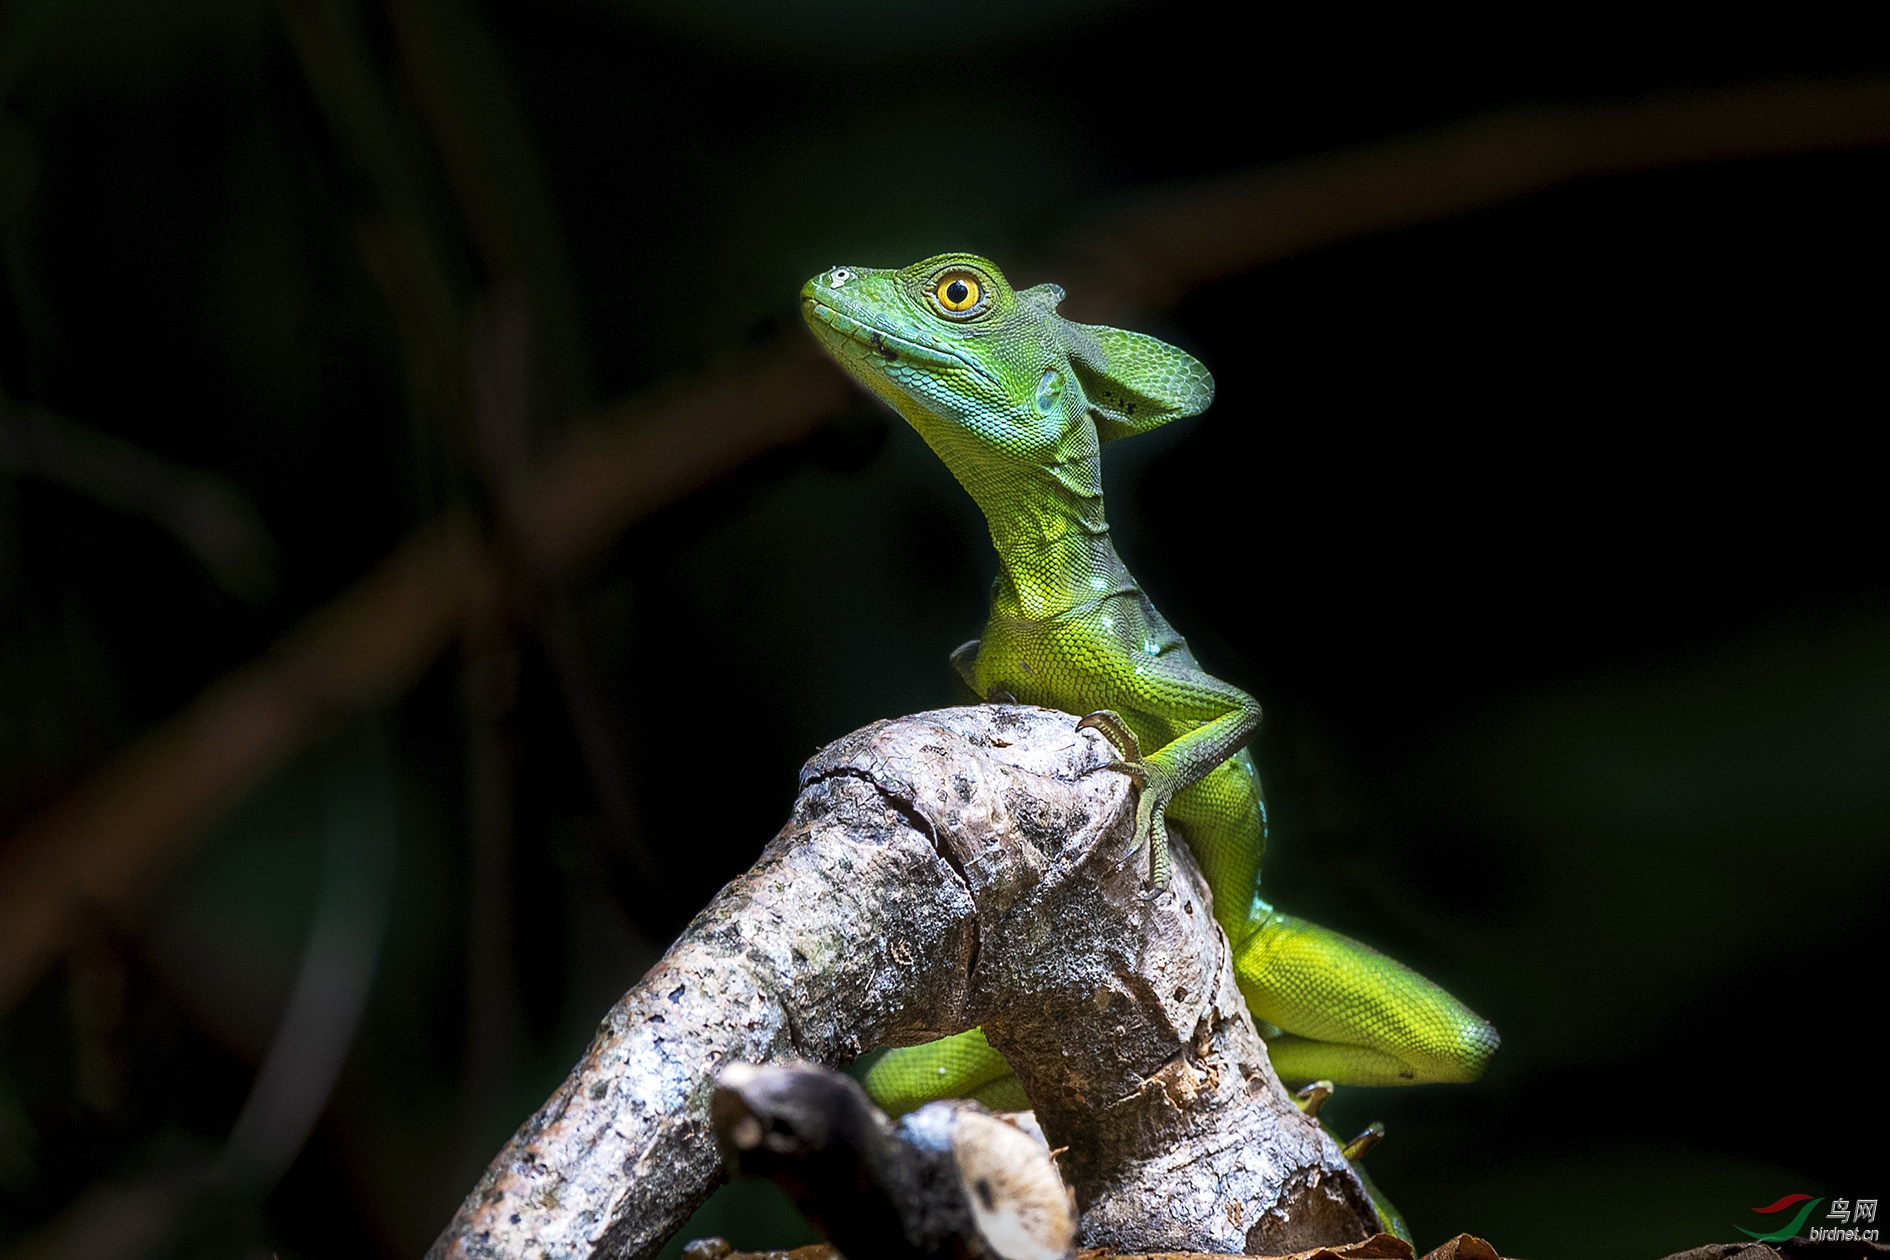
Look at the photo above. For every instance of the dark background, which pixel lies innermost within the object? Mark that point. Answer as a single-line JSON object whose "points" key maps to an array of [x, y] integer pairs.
{"points": [[1549, 535]]}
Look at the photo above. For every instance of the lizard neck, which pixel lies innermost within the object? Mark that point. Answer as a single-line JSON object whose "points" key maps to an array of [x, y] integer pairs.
{"points": [[1051, 537], [1050, 564], [1046, 519]]}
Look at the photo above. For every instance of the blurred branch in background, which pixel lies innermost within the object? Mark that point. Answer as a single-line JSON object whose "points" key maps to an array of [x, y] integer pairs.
{"points": [[105, 844], [401, 240], [213, 519], [122, 1220], [502, 379], [337, 969], [474, 374], [108, 841], [1153, 250], [458, 77], [489, 689], [459, 81]]}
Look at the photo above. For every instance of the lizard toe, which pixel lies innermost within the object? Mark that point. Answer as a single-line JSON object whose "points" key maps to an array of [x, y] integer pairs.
{"points": [[1109, 724]]}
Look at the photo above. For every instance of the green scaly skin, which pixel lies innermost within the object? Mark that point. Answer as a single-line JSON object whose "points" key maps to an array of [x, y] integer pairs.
{"points": [[1018, 401]]}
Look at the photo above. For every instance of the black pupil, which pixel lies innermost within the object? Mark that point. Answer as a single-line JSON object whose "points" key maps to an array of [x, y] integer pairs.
{"points": [[956, 292]]}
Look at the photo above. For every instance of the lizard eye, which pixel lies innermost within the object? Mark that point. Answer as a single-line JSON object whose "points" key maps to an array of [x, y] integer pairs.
{"points": [[957, 291]]}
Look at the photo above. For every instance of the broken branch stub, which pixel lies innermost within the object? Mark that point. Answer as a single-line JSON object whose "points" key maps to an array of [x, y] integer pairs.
{"points": [[961, 867]]}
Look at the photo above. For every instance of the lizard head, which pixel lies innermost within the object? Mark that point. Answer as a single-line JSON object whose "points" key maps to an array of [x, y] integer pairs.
{"points": [[954, 348]]}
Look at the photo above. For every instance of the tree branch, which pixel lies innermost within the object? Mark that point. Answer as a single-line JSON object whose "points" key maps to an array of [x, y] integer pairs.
{"points": [[956, 868], [210, 517]]}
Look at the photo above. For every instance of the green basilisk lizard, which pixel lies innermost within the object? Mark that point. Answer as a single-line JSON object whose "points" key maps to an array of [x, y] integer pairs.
{"points": [[1017, 401]]}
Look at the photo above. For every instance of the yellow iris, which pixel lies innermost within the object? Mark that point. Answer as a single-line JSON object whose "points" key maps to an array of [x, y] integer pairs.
{"points": [[957, 291]]}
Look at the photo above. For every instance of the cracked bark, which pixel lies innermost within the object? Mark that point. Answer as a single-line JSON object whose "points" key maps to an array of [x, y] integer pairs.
{"points": [[941, 871]]}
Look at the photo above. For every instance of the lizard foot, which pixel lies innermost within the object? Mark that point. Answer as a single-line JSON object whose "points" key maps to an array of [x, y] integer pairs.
{"points": [[1151, 822]]}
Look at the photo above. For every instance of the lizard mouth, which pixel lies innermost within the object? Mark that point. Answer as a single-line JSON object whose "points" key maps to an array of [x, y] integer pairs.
{"points": [[885, 344]]}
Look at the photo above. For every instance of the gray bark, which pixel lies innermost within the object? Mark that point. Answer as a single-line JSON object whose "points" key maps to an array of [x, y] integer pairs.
{"points": [[962, 867]]}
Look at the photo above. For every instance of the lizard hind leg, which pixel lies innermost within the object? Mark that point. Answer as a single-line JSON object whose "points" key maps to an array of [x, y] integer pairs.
{"points": [[1350, 1014]]}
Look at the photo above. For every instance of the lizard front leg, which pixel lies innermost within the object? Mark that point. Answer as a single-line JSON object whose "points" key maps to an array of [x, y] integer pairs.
{"points": [[1151, 824], [1216, 719]]}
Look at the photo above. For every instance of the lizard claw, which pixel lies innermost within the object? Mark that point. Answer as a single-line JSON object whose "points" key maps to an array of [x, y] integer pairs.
{"points": [[1312, 1097], [1361, 1145]]}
